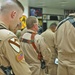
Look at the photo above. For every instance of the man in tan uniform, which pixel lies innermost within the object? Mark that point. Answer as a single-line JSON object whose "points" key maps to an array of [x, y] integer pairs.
{"points": [[35, 48], [64, 39], [11, 55], [49, 39]]}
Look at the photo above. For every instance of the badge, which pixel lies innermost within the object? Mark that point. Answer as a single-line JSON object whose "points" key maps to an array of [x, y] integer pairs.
{"points": [[19, 56], [14, 44], [56, 61]]}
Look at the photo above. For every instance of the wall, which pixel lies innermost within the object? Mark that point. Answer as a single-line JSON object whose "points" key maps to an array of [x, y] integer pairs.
{"points": [[53, 11], [25, 4]]}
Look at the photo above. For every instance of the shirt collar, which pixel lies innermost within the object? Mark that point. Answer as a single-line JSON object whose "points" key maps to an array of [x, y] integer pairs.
{"points": [[3, 24], [29, 30]]}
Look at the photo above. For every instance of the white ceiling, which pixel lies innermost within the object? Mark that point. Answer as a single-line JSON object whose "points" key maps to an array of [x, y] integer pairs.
{"points": [[54, 4]]}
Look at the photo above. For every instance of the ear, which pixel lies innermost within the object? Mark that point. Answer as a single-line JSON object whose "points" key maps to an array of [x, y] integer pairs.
{"points": [[13, 14]]}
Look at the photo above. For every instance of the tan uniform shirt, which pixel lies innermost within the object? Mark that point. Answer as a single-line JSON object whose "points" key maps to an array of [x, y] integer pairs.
{"points": [[22, 32], [49, 39], [11, 54], [65, 37], [31, 55]]}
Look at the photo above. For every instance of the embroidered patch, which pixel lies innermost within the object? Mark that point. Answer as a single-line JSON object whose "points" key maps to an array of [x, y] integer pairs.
{"points": [[19, 56], [14, 44]]}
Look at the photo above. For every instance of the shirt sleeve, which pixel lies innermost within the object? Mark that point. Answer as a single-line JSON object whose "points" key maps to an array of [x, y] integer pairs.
{"points": [[15, 57], [45, 50]]}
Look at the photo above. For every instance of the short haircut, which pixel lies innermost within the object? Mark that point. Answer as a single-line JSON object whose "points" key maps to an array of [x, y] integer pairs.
{"points": [[11, 3], [19, 4], [30, 21], [53, 24]]}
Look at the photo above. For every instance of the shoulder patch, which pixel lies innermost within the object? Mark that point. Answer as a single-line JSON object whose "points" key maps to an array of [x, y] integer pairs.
{"points": [[20, 56], [14, 44]]}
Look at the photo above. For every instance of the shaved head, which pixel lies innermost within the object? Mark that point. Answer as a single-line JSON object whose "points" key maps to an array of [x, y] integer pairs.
{"points": [[10, 13], [9, 5]]}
